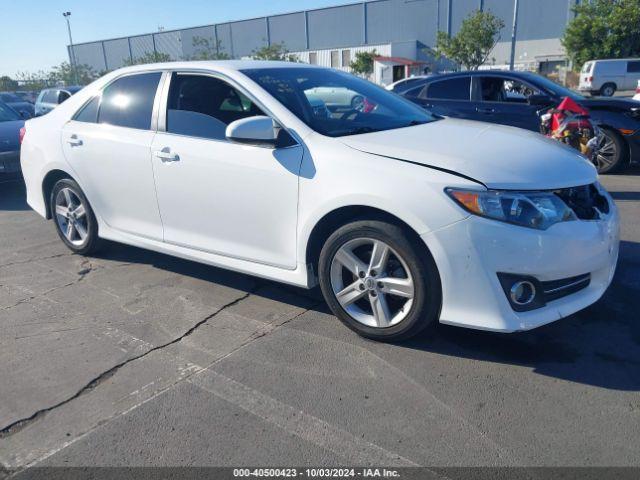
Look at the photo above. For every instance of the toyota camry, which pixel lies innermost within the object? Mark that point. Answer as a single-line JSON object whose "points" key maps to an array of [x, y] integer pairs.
{"points": [[404, 218]]}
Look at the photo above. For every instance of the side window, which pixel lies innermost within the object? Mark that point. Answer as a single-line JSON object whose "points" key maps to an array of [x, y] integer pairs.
{"points": [[203, 106], [633, 67], [128, 102], [454, 89], [62, 96], [88, 113], [505, 90]]}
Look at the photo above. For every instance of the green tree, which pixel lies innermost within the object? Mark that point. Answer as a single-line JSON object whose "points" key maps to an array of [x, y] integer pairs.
{"points": [[66, 74], [473, 43], [8, 83], [208, 49], [149, 57], [603, 29], [362, 64], [275, 51]]}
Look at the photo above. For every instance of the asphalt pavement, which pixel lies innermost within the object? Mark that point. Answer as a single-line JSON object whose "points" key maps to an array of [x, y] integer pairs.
{"points": [[133, 358]]}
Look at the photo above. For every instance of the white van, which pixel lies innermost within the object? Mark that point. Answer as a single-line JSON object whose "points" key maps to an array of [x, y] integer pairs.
{"points": [[605, 77]]}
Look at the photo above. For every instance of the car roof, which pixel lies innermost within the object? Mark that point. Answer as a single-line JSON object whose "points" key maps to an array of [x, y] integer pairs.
{"points": [[218, 64]]}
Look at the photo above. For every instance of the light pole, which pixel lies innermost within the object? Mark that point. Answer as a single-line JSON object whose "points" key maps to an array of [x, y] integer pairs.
{"points": [[514, 34], [72, 53]]}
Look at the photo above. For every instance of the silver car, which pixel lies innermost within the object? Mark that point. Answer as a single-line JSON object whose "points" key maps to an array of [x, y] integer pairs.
{"points": [[50, 98]]}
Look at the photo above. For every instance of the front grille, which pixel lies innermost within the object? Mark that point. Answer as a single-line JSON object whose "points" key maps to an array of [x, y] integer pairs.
{"points": [[557, 289], [586, 201]]}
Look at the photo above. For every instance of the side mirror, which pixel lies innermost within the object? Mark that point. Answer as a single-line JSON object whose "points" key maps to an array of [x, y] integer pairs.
{"points": [[258, 130], [539, 100]]}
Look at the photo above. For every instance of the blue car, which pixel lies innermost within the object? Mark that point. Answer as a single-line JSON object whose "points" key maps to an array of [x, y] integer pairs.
{"points": [[10, 125], [24, 108], [516, 98]]}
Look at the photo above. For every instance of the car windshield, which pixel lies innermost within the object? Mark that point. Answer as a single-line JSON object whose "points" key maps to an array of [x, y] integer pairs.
{"points": [[557, 89], [7, 114], [337, 104]]}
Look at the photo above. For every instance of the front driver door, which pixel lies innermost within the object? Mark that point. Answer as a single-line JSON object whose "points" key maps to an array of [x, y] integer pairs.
{"points": [[216, 196]]}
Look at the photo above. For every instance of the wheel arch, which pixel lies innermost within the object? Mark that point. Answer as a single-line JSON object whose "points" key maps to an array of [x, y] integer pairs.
{"points": [[48, 182], [343, 215]]}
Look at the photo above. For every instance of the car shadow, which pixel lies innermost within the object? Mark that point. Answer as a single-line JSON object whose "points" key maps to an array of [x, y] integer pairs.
{"points": [[599, 346], [12, 193]]}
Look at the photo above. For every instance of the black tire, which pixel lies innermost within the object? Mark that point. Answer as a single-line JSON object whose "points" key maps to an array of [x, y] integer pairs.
{"points": [[425, 309], [620, 157], [91, 243], [608, 89]]}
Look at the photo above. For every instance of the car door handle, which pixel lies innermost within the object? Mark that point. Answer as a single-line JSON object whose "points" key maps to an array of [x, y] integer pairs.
{"points": [[166, 156], [74, 141], [486, 111]]}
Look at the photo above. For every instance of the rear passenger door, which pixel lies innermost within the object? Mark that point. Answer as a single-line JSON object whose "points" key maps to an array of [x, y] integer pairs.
{"points": [[448, 97], [108, 144]]}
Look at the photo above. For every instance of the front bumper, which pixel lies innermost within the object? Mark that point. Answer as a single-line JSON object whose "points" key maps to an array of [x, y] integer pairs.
{"points": [[10, 162], [470, 253]]}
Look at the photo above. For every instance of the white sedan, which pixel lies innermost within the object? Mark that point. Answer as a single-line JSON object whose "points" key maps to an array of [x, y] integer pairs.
{"points": [[403, 218]]}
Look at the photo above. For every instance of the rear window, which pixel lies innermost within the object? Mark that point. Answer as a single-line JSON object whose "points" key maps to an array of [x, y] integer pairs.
{"points": [[453, 89], [587, 67], [50, 96]]}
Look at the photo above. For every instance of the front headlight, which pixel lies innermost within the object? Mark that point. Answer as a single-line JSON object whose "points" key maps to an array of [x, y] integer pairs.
{"points": [[538, 210]]}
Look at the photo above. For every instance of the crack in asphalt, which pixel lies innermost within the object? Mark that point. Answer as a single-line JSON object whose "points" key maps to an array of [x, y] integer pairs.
{"points": [[18, 425], [86, 267], [37, 259]]}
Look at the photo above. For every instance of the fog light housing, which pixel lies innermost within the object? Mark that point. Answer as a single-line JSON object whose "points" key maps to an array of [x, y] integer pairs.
{"points": [[524, 293]]}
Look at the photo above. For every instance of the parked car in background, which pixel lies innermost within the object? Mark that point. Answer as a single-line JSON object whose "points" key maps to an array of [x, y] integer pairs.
{"points": [[637, 95], [406, 83], [606, 77], [517, 98], [403, 217], [50, 98], [10, 125], [24, 109], [27, 96]]}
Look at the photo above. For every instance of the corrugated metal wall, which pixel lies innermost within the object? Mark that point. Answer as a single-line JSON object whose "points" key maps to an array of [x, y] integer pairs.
{"points": [[366, 23]]}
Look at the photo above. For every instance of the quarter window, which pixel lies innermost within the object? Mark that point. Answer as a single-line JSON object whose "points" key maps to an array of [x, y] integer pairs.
{"points": [[128, 102], [89, 113], [203, 106], [454, 89]]}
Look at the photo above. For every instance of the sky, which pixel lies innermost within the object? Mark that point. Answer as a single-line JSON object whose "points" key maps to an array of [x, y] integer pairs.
{"points": [[33, 33]]}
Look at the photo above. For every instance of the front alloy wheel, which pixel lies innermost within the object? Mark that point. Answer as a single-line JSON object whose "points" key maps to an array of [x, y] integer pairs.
{"points": [[610, 156], [380, 280], [377, 292]]}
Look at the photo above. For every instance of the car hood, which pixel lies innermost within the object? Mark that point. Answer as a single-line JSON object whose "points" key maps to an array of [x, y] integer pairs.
{"points": [[10, 135], [497, 156]]}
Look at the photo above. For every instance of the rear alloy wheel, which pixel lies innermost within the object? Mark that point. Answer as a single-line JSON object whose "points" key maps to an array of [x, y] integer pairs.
{"points": [[74, 220], [378, 282], [608, 90], [612, 152]]}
